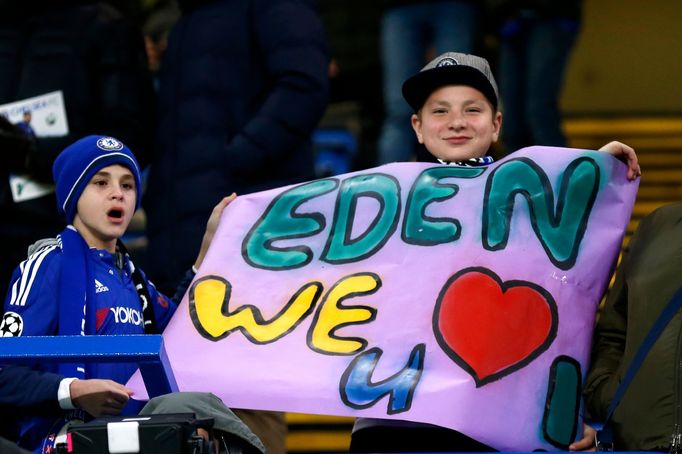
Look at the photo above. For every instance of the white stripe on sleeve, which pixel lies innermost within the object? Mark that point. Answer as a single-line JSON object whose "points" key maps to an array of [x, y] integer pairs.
{"points": [[29, 270]]}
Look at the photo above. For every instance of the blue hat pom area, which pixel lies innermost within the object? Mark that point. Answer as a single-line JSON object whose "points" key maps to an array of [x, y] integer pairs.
{"points": [[76, 165]]}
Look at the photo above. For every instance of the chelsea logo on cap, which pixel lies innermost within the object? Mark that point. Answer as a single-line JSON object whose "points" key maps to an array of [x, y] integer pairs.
{"points": [[109, 143], [447, 61]]}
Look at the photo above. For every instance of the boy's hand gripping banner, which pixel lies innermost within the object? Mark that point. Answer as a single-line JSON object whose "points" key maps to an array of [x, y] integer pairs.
{"points": [[457, 296]]}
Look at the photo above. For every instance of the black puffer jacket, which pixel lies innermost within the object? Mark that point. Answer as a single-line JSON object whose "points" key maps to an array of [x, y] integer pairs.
{"points": [[243, 84]]}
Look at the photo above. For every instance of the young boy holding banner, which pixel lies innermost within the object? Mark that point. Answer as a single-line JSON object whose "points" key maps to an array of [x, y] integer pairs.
{"points": [[456, 117], [84, 283]]}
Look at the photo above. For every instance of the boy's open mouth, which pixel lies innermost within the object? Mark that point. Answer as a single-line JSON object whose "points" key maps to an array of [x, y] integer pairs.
{"points": [[115, 213]]}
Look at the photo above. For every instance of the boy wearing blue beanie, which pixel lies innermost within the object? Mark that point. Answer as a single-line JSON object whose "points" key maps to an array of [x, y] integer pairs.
{"points": [[84, 283]]}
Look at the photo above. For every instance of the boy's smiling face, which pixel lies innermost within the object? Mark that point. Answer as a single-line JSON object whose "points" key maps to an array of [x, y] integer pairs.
{"points": [[456, 123], [106, 207]]}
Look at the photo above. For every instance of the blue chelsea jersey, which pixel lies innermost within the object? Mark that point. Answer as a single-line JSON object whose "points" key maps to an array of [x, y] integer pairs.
{"points": [[32, 309], [32, 301]]}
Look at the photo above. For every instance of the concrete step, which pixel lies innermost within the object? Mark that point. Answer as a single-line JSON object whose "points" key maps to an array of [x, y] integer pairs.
{"points": [[642, 133], [649, 158], [318, 433], [623, 126], [642, 208], [315, 441], [662, 192], [669, 176], [304, 418], [639, 143]]}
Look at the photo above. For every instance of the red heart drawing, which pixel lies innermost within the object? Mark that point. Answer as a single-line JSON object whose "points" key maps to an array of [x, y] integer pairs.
{"points": [[493, 328]]}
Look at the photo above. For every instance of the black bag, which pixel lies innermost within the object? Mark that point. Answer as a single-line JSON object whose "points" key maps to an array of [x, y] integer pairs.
{"points": [[168, 434]]}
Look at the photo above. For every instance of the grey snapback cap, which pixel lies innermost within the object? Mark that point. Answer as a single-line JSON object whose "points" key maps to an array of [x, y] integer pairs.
{"points": [[451, 68]]}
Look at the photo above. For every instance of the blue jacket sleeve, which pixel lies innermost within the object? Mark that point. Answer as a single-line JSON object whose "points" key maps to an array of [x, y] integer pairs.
{"points": [[31, 307], [30, 310], [21, 387]]}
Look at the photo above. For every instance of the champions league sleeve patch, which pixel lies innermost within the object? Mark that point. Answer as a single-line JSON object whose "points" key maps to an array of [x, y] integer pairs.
{"points": [[12, 325]]}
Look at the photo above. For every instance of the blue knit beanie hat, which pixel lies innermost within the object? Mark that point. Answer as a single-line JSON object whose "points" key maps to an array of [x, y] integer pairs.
{"points": [[76, 165]]}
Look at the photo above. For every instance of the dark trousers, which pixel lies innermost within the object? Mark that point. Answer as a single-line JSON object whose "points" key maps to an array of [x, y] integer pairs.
{"points": [[413, 439]]}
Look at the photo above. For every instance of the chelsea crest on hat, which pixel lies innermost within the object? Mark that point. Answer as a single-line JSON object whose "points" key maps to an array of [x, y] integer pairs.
{"points": [[109, 144]]}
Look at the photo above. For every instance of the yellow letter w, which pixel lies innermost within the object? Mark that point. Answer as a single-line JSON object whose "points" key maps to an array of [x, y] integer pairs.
{"points": [[209, 299]]}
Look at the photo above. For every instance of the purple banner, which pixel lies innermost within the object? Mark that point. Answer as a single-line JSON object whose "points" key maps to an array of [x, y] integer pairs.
{"points": [[463, 297]]}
